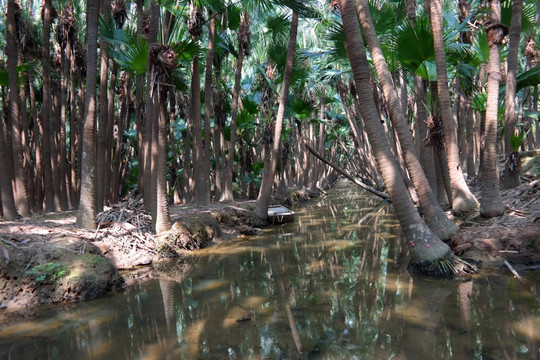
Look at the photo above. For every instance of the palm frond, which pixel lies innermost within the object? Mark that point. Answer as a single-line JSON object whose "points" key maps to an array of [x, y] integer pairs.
{"points": [[113, 35], [132, 57]]}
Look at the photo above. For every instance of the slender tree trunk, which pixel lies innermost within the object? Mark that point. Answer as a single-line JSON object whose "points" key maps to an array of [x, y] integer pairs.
{"points": [[46, 106], [149, 200], [208, 108], [462, 198], [74, 123], [195, 115], [227, 194], [62, 154], [513, 162], [491, 202], [265, 192], [103, 121], [86, 216], [37, 147], [140, 108], [14, 111]]}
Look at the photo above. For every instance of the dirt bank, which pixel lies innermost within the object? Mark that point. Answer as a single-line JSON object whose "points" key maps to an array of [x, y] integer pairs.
{"points": [[47, 259]]}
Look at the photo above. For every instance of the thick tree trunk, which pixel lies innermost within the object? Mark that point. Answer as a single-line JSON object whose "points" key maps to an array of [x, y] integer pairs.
{"points": [[9, 211], [14, 111], [162, 220], [86, 216], [491, 202], [513, 162]]}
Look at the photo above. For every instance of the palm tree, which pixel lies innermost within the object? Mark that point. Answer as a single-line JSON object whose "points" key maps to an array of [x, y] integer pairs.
{"points": [[265, 192], [150, 116], [161, 64], [201, 192], [462, 198], [21, 196], [434, 215], [429, 254], [513, 162], [243, 50], [86, 215], [491, 202]]}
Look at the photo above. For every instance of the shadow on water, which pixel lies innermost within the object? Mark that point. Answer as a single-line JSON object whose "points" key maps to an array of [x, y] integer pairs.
{"points": [[331, 285]]}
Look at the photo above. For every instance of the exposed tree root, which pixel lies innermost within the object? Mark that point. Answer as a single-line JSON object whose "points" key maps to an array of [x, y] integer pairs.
{"points": [[446, 267]]}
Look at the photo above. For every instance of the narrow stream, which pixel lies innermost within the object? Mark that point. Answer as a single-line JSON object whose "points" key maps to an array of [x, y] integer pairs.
{"points": [[331, 285]]}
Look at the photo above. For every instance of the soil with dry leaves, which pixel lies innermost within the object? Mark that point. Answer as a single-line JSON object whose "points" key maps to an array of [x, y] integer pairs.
{"points": [[514, 237]]}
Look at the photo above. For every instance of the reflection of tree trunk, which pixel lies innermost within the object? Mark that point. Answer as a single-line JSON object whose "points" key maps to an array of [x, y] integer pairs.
{"points": [[465, 293], [167, 287], [290, 317], [424, 309]]}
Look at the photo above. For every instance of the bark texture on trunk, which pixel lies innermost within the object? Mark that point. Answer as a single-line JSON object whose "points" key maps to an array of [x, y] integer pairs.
{"points": [[21, 195], [46, 114], [86, 215], [513, 162], [462, 198], [491, 202]]}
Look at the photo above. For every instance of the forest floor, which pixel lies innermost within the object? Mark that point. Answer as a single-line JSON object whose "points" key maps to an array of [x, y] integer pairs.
{"points": [[47, 259]]}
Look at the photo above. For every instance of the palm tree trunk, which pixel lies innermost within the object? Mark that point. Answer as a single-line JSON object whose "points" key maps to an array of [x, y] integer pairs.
{"points": [[9, 210], [435, 217], [227, 194], [46, 106], [86, 216], [199, 190], [14, 111], [208, 107], [429, 254], [149, 199], [162, 220], [265, 192], [491, 202], [462, 198], [513, 162], [103, 120]]}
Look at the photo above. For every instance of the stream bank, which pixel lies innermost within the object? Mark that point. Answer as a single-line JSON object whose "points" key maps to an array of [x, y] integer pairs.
{"points": [[47, 259]]}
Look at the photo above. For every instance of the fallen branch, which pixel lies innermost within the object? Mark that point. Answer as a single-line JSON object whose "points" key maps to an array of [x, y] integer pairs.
{"points": [[344, 173], [521, 280]]}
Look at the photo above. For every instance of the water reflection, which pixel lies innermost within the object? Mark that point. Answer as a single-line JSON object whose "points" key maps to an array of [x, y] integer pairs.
{"points": [[332, 285]]}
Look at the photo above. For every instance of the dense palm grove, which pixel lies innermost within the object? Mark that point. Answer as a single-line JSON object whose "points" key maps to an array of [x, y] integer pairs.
{"points": [[205, 101]]}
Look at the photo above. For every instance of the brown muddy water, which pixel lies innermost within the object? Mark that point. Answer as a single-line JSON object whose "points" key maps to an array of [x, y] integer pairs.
{"points": [[331, 285]]}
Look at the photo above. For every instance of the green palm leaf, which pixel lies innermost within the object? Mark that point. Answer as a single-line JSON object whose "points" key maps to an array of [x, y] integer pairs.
{"points": [[132, 57]]}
